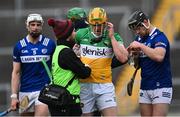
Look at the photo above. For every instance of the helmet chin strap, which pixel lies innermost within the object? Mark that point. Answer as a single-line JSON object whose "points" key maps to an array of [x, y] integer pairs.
{"points": [[102, 32], [147, 27], [96, 35], [99, 38], [96, 38]]}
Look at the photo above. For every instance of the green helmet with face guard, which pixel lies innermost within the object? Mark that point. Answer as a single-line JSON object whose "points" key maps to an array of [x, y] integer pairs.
{"points": [[76, 13], [78, 16]]}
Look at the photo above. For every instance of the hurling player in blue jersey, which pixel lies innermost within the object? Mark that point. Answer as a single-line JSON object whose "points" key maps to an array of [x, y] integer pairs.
{"points": [[29, 75], [153, 49]]}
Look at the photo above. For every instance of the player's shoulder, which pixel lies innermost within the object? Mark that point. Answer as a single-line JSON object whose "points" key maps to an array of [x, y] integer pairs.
{"points": [[46, 41], [159, 35], [48, 38], [81, 32], [21, 43]]}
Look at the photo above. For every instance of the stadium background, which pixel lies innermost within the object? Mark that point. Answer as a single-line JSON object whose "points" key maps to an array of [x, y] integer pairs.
{"points": [[164, 14]]}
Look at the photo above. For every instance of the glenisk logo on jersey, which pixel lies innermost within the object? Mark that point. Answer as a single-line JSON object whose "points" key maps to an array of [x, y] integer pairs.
{"points": [[96, 51]]}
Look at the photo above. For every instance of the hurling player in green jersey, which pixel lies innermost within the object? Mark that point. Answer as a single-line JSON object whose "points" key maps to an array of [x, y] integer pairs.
{"points": [[79, 17], [98, 44]]}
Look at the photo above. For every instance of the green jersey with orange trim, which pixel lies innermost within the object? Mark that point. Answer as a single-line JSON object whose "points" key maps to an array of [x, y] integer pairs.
{"points": [[97, 55]]}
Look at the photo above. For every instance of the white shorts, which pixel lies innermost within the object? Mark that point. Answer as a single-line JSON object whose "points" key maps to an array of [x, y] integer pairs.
{"points": [[97, 96], [28, 100], [161, 95]]}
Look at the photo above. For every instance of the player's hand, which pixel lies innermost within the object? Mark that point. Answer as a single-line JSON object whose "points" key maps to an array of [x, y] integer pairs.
{"points": [[135, 46], [76, 49], [14, 104], [110, 28]]}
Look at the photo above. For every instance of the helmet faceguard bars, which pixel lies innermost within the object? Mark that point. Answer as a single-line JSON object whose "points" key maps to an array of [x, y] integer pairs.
{"points": [[136, 19], [97, 19], [97, 16]]}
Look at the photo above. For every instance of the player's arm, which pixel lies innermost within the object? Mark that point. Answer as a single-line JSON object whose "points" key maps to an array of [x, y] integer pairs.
{"points": [[119, 49], [15, 77], [116, 63], [156, 54], [15, 80]]}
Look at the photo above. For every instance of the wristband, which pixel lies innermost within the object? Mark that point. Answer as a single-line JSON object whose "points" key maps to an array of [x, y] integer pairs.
{"points": [[14, 96]]}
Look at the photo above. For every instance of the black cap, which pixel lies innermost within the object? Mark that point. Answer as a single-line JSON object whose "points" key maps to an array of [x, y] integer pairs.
{"points": [[136, 19]]}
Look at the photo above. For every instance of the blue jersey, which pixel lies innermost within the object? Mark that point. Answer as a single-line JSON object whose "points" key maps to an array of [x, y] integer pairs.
{"points": [[155, 74], [33, 73]]}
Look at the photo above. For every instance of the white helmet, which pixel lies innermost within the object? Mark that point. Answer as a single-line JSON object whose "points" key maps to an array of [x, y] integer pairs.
{"points": [[34, 17]]}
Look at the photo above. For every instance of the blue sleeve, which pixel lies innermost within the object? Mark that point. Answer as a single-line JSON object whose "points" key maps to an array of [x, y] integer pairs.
{"points": [[16, 54], [136, 38], [161, 41], [53, 45]]}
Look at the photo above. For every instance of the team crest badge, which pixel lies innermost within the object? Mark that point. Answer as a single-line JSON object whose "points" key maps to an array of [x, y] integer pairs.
{"points": [[44, 51]]}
